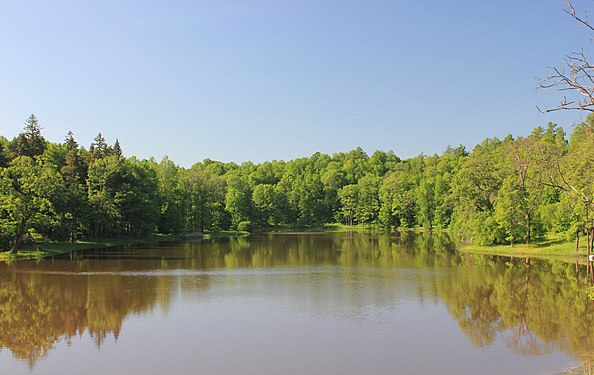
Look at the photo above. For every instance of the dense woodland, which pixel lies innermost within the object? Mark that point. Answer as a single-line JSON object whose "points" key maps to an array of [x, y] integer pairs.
{"points": [[517, 189]]}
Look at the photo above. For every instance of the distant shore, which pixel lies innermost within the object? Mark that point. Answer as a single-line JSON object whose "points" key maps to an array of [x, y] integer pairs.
{"points": [[551, 248], [41, 250]]}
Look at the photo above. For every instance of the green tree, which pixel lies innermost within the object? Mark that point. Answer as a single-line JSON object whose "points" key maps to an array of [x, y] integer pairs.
{"points": [[443, 175], [332, 178], [99, 148], [308, 195], [117, 149], [238, 200], [355, 165], [368, 204], [123, 197], [29, 142], [397, 196], [530, 193], [75, 167], [4, 159], [301, 184], [105, 178], [475, 188], [349, 199], [26, 187], [270, 205], [73, 207], [205, 199], [425, 199], [137, 197], [171, 195], [509, 210], [567, 168], [381, 162]]}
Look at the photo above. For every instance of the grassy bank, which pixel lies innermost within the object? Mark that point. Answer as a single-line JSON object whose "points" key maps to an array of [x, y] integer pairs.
{"points": [[301, 228], [327, 227], [551, 248], [40, 250], [225, 234]]}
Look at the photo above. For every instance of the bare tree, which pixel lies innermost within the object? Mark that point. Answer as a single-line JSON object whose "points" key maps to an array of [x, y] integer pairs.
{"points": [[575, 78]]}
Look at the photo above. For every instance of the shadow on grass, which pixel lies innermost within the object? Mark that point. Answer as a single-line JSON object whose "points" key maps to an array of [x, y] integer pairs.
{"points": [[41, 250], [539, 244], [547, 243]]}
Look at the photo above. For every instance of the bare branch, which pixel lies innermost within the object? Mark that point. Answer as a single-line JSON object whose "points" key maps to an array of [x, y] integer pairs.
{"points": [[571, 11], [575, 76]]}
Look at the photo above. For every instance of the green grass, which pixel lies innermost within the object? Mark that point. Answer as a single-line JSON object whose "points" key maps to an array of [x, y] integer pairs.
{"points": [[295, 227], [40, 250], [550, 248], [330, 227]]}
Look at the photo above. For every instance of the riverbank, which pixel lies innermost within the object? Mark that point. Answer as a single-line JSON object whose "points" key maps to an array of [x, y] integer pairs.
{"points": [[551, 248], [41, 250], [329, 227], [336, 227]]}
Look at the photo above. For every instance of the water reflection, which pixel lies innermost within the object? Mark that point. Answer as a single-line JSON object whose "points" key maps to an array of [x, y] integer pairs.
{"points": [[539, 306], [535, 307], [40, 306]]}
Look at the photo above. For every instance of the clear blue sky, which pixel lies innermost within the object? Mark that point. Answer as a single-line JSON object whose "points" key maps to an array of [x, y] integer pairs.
{"points": [[262, 80]]}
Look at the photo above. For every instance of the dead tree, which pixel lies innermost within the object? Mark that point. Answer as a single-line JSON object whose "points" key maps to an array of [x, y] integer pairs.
{"points": [[575, 78]]}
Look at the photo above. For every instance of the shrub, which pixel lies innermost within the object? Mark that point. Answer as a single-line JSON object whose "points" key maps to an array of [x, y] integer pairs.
{"points": [[245, 226]]}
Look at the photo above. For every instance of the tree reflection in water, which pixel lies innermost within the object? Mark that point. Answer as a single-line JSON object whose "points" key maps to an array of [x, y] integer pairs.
{"points": [[534, 306]]}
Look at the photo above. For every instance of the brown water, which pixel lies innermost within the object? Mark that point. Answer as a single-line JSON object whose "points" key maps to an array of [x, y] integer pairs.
{"points": [[309, 303]]}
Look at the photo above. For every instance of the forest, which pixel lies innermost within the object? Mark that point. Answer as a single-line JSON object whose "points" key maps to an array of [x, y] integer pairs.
{"points": [[517, 189]]}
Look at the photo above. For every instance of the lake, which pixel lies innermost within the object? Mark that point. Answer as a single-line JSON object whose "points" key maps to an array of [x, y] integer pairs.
{"points": [[295, 303]]}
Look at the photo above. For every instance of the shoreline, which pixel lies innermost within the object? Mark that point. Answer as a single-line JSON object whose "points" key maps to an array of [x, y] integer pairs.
{"points": [[550, 249], [43, 250]]}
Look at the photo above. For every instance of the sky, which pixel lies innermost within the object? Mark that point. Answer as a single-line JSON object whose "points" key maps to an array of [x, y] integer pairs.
{"points": [[276, 80]]}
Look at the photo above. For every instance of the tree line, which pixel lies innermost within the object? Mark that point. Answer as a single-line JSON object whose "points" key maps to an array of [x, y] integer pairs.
{"points": [[517, 189]]}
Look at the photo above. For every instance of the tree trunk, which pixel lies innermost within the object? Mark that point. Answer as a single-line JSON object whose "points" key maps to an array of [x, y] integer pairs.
{"points": [[18, 238], [587, 231], [528, 229], [591, 238], [577, 240]]}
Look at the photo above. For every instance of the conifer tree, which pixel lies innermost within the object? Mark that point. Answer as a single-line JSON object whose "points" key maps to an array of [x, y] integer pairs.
{"points": [[117, 149], [3, 157], [29, 142], [74, 169], [99, 148]]}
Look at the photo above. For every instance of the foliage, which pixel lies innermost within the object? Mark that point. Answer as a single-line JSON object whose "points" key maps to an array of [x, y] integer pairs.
{"points": [[29, 142], [27, 187], [504, 191], [590, 292], [245, 226]]}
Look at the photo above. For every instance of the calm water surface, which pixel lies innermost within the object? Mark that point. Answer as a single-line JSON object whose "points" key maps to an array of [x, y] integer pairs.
{"points": [[308, 303]]}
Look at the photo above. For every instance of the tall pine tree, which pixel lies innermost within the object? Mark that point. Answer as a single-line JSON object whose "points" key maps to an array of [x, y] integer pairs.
{"points": [[29, 142]]}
